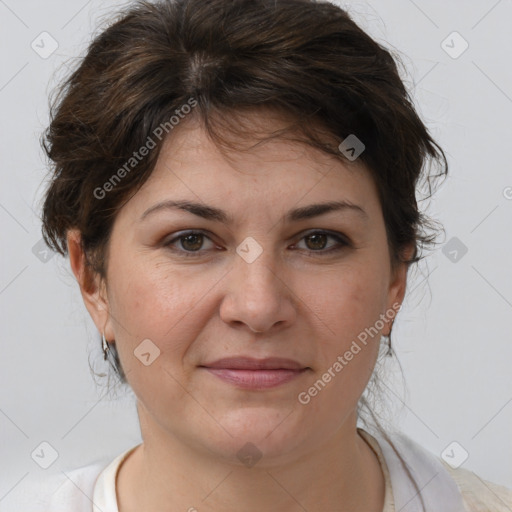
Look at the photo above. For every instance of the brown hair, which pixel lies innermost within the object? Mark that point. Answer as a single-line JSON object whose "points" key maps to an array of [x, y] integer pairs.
{"points": [[304, 59]]}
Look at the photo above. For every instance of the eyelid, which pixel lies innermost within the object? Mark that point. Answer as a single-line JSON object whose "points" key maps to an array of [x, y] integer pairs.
{"points": [[329, 232], [184, 233], [342, 240]]}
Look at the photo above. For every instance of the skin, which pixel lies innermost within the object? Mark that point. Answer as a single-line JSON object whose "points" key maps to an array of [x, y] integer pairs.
{"points": [[289, 302]]}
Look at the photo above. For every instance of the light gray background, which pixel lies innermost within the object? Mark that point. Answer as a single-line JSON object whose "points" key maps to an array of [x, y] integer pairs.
{"points": [[453, 335]]}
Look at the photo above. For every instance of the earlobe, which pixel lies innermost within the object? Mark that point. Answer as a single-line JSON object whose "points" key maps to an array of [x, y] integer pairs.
{"points": [[91, 285]]}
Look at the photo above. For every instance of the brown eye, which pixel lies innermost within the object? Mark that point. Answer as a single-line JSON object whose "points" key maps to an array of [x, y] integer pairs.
{"points": [[317, 242], [189, 243], [192, 242]]}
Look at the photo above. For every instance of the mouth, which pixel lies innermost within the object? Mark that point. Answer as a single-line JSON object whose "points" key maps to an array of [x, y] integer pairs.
{"points": [[250, 373]]}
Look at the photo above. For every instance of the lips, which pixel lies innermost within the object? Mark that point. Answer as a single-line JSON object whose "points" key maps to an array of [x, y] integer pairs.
{"points": [[249, 373], [249, 363]]}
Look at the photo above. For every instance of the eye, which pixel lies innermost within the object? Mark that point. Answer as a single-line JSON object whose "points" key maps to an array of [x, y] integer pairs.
{"points": [[316, 242], [192, 242]]}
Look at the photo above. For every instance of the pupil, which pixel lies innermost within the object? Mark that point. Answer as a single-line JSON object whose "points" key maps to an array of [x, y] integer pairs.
{"points": [[317, 237], [193, 247]]}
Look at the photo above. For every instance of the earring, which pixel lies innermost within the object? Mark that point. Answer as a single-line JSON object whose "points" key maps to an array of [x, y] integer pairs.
{"points": [[105, 346], [390, 350]]}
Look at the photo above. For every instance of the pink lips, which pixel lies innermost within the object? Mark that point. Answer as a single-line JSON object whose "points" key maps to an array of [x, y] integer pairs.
{"points": [[249, 373]]}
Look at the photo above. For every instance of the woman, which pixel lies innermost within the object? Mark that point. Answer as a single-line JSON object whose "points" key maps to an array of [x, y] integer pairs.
{"points": [[234, 183]]}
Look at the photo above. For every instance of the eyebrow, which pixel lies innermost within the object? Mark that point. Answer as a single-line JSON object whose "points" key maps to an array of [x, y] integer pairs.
{"points": [[216, 214]]}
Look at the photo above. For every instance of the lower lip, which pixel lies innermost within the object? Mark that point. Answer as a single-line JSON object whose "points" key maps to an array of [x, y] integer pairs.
{"points": [[256, 379]]}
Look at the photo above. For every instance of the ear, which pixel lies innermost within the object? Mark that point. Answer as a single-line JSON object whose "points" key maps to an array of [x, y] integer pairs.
{"points": [[397, 287], [92, 286]]}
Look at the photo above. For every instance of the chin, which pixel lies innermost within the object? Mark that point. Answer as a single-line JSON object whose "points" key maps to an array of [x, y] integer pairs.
{"points": [[260, 435]]}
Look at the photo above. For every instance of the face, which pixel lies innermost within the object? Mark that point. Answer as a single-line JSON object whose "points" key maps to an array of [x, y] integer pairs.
{"points": [[273, 279]]}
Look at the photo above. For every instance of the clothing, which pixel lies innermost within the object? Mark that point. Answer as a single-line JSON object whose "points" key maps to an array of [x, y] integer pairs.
{"points": [[437, 480], [92, 488]]}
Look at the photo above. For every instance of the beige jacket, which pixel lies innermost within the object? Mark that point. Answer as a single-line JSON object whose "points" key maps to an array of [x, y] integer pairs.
{"points": [[478, 495]]}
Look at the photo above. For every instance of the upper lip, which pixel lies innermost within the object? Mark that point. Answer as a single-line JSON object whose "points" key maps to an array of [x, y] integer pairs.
{"points": [[250, 363]]}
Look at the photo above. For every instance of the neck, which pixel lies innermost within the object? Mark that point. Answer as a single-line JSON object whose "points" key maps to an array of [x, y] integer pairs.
{"points": [[164, 474]]}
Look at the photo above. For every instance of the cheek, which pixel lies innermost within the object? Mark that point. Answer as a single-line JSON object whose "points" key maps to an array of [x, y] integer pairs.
{"points": [[346, 353], [149, 303], [346, 304]]}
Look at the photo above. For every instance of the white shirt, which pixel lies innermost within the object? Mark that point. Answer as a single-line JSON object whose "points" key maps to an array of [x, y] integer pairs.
{"points": [[92, 488]]}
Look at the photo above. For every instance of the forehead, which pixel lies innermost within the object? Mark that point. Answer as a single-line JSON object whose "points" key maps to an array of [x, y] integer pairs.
{"points": [[255, 134], [274, 172]]}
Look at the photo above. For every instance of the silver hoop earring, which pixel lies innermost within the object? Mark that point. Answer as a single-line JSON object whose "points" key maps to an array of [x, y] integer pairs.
{"points": [[105, 346]]}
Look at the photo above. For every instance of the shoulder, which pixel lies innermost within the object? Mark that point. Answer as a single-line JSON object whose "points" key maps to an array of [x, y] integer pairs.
{"points": [[76, 487], [57, 492], [480, 495], [441, 486]]}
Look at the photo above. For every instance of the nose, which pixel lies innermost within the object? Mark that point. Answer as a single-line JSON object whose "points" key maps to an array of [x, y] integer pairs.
{"points": [[257, 296]]}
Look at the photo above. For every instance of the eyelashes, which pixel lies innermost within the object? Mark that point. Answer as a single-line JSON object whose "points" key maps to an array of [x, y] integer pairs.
{"points": [[194, 239]]}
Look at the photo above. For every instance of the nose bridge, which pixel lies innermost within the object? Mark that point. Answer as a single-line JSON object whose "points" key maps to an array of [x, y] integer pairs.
{"points": [[256, 295], [255, 268]]}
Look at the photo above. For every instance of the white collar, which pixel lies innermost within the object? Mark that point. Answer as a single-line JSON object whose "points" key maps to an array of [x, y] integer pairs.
{"points": [[437, 487]]}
